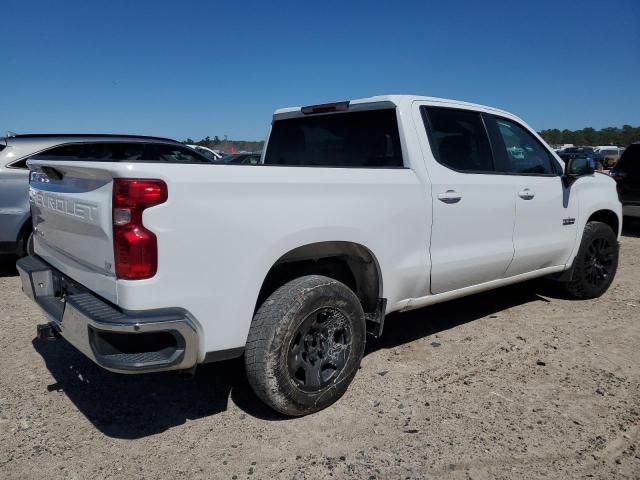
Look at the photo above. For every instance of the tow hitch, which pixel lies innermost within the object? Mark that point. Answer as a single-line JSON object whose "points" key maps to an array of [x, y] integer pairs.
{"points": [[46, 331]]}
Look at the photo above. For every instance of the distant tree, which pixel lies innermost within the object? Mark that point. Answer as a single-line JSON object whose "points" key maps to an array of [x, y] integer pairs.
{"points": [[589, 136]]}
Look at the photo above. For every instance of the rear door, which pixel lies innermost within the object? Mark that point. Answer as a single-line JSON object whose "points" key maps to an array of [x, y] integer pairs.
{"points": [[545, 211], [473, 208]]}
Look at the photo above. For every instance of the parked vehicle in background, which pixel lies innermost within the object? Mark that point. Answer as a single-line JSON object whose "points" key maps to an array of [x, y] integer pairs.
{"points": [[212, 155], [358, 209], [571, 153], [607, 156], [241, 159], [627, 175], [15, 215]]}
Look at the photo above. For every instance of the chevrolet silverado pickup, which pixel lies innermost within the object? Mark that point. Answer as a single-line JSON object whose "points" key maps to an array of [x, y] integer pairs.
{"points": [[356, 209]]}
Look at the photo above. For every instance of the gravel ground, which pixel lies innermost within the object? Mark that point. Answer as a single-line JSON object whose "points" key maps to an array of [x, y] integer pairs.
{"points": [[512, 383]]}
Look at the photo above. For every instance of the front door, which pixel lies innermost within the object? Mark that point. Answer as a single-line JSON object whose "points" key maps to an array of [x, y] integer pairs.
{"points": [[545, 215]]}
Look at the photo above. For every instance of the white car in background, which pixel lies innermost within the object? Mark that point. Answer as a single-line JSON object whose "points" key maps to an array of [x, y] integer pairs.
{"points": [[213, 155]]}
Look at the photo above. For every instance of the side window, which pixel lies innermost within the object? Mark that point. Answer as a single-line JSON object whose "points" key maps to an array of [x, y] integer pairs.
{"points": [[123, 152], [206, 153], [458, 139], [99, 152], [21, 164], [64, 152], [516, 150], [160, 152]]}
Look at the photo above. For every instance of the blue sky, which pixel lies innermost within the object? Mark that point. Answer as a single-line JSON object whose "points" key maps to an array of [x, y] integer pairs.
{"points": [[193, 68]]}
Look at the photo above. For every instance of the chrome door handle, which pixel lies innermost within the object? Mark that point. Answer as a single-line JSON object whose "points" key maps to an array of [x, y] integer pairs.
{"points": [[526, 194], [450, 196]]}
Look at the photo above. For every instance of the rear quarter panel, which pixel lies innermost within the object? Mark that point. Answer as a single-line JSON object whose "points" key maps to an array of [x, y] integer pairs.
{"points": [[223, 227]]}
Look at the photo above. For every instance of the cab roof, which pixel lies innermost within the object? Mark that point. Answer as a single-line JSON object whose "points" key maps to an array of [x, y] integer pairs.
{"points": [[397, 100]]}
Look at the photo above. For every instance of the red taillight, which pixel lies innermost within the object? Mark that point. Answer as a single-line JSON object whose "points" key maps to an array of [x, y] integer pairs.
{"points": [[135, 247]]}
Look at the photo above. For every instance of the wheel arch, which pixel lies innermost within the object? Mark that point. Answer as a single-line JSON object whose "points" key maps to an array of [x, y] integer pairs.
{"points": [[604, 215], [608, 217], [348, 262]]}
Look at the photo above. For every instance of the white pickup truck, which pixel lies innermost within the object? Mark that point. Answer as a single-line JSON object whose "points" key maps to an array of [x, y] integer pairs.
{"points": [[358, 209]]}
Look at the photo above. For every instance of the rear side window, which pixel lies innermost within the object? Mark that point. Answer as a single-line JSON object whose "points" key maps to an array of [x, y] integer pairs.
{"points": [[19, 164], [458, 139], [158, 152], [206, 153], [123, 152], [516, 150], [352, 139], [105, 152]]}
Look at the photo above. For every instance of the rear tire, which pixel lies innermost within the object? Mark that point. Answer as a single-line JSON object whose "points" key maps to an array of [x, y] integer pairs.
{"points": [[595, 264], [305, 345]]}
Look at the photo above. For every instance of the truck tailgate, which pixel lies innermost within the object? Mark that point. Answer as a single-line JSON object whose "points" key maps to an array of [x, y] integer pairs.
{"points": [[71, 212]]}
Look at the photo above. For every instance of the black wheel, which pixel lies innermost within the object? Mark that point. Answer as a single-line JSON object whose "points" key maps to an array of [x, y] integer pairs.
{"points": [[596, 263], [305, 345]]}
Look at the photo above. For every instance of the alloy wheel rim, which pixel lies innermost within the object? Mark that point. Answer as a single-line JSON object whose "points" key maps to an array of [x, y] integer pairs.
{"points": [[319, 350], [599, 262]]}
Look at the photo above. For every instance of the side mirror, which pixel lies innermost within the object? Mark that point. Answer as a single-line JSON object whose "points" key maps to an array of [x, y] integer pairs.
{"points": [[579, 167]]}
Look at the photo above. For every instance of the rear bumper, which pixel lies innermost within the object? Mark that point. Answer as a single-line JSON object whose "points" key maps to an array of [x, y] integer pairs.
{"points": [[120, 341], [631, 210]]}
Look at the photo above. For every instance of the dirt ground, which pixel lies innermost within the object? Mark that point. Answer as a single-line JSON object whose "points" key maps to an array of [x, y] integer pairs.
{"points": [[515, 383]]}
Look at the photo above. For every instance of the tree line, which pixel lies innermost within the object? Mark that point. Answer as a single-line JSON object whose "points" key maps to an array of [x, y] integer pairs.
{"points": [[226, 145], [620, 137]]}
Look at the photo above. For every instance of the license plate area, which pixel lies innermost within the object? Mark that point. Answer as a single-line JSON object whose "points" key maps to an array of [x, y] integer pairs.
{"points": [[50, 290]]}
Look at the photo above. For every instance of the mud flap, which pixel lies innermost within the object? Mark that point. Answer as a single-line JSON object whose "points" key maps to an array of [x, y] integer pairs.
{"points": [[375, 320]]}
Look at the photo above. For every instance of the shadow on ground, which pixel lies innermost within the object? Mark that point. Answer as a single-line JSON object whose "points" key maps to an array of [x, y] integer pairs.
{"points": [[135, 406], [8, 266]]}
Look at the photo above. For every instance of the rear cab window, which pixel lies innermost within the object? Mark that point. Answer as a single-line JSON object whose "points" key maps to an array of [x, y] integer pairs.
{"points": [[358, 139]]}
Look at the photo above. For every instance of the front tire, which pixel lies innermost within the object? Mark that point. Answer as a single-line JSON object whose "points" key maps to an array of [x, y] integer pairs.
{"points": [[305, 345], [595, 264]]}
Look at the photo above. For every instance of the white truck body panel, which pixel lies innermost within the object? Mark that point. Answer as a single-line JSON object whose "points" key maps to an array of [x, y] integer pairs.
{"points": [[223, 227]]}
